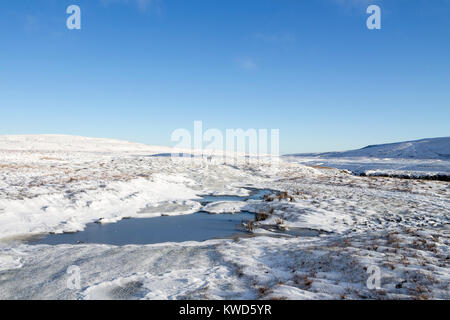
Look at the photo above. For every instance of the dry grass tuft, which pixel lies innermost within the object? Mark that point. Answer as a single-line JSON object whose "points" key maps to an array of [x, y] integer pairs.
{"points": [[249, 225], [282, 196], [303, 281], [263, 291], [261, 216]]}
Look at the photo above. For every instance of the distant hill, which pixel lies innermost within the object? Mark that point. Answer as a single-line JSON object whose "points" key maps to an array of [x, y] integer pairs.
{"points": [[433, 148], [66, 143]]}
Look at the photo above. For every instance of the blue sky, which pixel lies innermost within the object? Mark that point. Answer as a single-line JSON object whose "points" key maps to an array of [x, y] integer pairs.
{"points": [[139, 69]]}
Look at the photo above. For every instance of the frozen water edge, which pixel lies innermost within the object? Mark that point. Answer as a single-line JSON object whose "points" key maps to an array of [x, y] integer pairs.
{"points": [[401, 226]]}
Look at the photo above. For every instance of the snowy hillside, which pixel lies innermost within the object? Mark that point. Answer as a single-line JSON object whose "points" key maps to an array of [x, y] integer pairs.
{"points": [[426, 158], [61, 143], [435, 148]]}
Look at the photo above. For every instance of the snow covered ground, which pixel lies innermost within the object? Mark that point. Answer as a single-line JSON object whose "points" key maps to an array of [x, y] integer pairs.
{"points": [[426, 158], [59, 184]]}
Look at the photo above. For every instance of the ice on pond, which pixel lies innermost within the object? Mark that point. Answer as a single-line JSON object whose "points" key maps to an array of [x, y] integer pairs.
{"points": [[199, 226]]}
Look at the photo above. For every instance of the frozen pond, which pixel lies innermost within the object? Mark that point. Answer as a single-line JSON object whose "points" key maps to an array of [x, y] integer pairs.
{"points": [[199, 226]]}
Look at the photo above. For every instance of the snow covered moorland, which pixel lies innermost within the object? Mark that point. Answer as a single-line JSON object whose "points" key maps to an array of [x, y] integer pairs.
{"points": [[426, 158], [317, 234]]}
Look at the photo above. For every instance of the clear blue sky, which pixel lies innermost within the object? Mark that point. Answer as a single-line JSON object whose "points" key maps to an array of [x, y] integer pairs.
{"points": [[139, 69]]}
